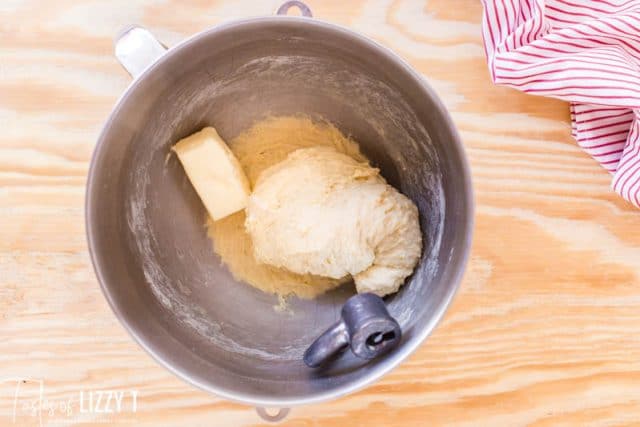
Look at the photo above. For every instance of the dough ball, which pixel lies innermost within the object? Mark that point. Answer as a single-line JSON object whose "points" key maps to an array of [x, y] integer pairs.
{"points": [[321, 212], [263, 145]]}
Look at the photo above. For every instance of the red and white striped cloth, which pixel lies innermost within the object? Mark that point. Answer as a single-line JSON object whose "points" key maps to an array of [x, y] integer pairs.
{"points": [[586, 52]]}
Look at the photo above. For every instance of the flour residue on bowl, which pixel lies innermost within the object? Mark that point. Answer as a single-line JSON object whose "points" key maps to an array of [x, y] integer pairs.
{"points": [[373, 108], [172, 296]]}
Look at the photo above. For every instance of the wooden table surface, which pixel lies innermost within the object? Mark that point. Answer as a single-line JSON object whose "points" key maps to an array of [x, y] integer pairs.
{"points": [[544, 330]]}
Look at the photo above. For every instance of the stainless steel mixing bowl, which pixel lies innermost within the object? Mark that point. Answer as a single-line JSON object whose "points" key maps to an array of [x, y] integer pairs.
{"points": [[145, 222]]}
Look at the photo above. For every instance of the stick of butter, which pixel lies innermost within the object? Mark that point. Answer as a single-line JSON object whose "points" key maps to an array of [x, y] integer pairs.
{"points": [[214, 172]]}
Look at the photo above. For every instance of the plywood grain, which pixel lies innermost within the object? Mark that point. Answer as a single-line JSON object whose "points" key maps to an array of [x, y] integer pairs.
{"points": [[543, 332]]}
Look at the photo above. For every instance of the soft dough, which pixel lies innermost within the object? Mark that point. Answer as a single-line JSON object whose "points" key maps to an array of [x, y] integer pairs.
{"points": [[263, 145], [321, 212]]}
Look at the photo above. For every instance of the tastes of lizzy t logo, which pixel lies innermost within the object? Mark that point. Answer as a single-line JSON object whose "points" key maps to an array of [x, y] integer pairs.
{"points": [[24, 402]]}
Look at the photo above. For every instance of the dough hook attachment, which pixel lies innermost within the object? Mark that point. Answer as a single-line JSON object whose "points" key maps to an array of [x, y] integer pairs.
{"points": [[365, 325]]}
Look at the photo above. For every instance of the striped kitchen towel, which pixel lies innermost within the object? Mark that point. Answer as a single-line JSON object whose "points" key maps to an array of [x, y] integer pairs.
{"points": [[586, 52]]}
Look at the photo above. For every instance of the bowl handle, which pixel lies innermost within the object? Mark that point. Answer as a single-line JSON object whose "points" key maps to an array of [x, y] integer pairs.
{"points": [[304, 9], [136, 49], [279, 416]]}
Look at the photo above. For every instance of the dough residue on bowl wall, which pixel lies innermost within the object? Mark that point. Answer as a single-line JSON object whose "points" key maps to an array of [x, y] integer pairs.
{"points": [[267, 143]]}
